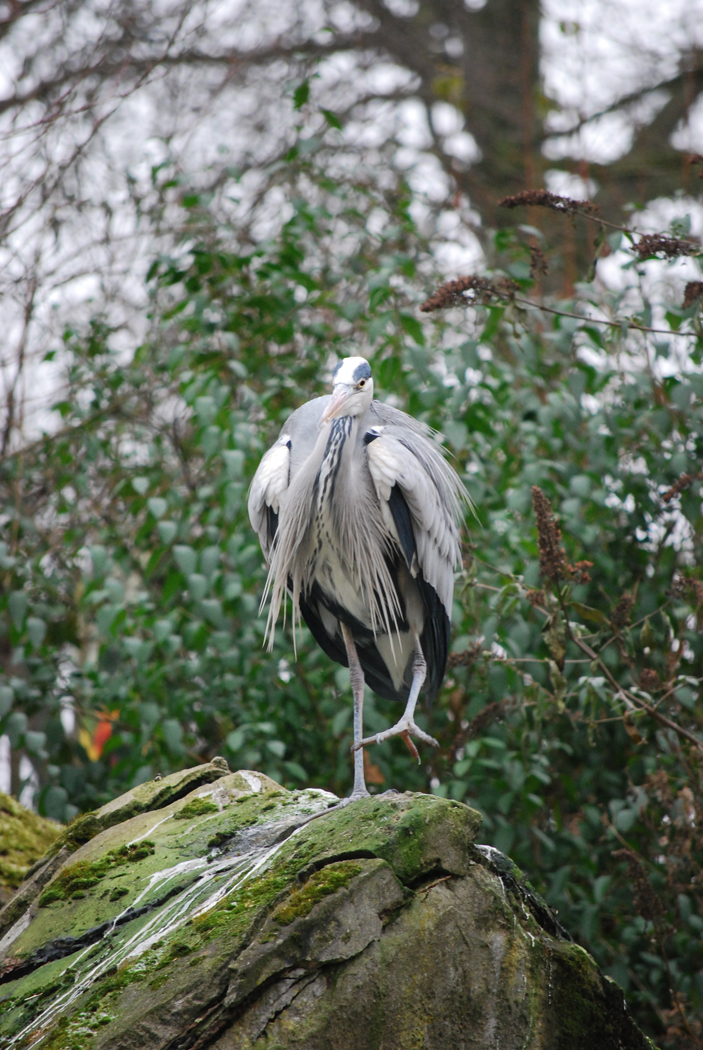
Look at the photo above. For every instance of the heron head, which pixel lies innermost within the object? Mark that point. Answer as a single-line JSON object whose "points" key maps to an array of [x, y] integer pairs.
{"points": [[352, 389]]}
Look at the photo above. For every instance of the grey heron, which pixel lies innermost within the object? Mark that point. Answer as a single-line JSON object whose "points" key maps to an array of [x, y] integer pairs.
{"points": [[358, 516]]}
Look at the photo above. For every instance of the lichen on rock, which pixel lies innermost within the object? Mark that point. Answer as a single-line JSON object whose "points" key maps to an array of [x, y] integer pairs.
{"points": [[241, 915]]}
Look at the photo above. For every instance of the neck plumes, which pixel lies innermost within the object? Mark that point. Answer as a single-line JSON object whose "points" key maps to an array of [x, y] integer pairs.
{"points": [[336, 461]]}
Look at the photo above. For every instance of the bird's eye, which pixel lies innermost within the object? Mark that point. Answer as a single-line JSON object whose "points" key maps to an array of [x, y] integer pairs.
{"points": [[362, 382]]}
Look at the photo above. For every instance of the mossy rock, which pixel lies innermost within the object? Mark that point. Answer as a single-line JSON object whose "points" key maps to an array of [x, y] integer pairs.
{"points": [[24, 838], [245, 916]]}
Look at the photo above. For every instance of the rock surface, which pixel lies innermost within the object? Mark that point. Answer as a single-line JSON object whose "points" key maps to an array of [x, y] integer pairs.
{"points": [[222, 911], [24, 838]]}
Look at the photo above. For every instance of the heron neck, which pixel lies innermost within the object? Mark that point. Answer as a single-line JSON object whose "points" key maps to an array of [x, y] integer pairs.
{"points": [[335, 467]]}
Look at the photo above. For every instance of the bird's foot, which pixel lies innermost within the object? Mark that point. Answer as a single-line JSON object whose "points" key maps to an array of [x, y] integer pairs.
{"points": [[405, 729]]}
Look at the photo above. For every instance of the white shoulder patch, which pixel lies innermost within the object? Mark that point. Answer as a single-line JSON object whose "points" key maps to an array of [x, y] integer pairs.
{"points": [[271, 479]]}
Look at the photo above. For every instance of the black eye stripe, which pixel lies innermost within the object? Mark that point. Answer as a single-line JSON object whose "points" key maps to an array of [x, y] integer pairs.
{"points": [[362, 371]]}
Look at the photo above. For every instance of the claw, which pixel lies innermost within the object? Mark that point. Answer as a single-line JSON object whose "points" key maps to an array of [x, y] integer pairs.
{"points": [[405, 737]]}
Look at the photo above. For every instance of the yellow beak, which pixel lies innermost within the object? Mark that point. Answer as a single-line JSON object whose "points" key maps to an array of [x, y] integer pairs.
{"points": [[340, 396]]}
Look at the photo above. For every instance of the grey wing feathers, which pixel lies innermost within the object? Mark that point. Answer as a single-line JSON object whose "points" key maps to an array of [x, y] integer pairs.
{"points": [[270, 483], [267, 488], [405, 456]]}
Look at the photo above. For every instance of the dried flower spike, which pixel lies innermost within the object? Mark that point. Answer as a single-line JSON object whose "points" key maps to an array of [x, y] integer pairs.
{"points": [[683, 483], [646, 902], [552, 556], [545, 199], [622, 613], [536, 598], [483, 291], [650, 680], [660, 244], [538, 261], [692, 292]]}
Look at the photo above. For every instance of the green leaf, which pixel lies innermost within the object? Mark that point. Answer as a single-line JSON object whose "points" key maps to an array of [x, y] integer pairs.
{"points": [[595, 615], [235, 740], [16, 727], [7, 697], [186, 558], [173, 735], [213, 611], [197, 585], [296, 770], [648, 638], [34, 741], [140, 485], [234, 462], [331, 118], [133, 647], [414, 329], [54, 802], [17, 604], [98, 556], [36, 630], [301, 94], [157, 506], [162, 629], [167, 531]]}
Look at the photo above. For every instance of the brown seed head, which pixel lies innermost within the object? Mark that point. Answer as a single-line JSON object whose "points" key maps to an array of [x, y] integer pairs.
{"points": [[660, 244], [479, 289], [552, 556], [491, 713], [646, 902], [465, 658], [538, 261], [683, 483], [650, 680], [536, 598], [622, 613], [697, 591], [692, 292], [580, 569], [545, 199]]}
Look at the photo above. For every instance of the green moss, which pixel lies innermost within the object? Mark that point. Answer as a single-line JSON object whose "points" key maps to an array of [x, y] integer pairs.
{"points": [[583, 1000], [79, 831], [24, 838], [76, 879], [218, 840], [330, 879], [234, 915], [76, 1033], [197, 807]]}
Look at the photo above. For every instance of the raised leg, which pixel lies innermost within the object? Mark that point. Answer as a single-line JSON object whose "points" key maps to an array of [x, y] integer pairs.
{"points": [[406, 727], [356, 677]]}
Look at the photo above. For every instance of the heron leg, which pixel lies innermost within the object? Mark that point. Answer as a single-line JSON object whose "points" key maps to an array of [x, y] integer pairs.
{"points": [[405, 727], [356, 677]]}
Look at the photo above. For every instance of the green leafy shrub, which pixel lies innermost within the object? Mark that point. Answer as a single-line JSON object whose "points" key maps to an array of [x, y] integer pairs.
{"points": [[570, 715]]}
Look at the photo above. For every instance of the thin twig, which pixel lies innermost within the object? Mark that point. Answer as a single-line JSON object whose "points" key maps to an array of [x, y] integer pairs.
{"points": [[633, 698], [600, 320]]}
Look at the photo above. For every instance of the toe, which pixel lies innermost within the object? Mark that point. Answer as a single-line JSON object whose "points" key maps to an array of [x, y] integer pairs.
{"points": [[407, 740]]}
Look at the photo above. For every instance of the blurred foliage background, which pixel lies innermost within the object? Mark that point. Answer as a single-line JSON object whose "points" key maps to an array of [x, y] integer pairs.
{"points": [[568, 388]]}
